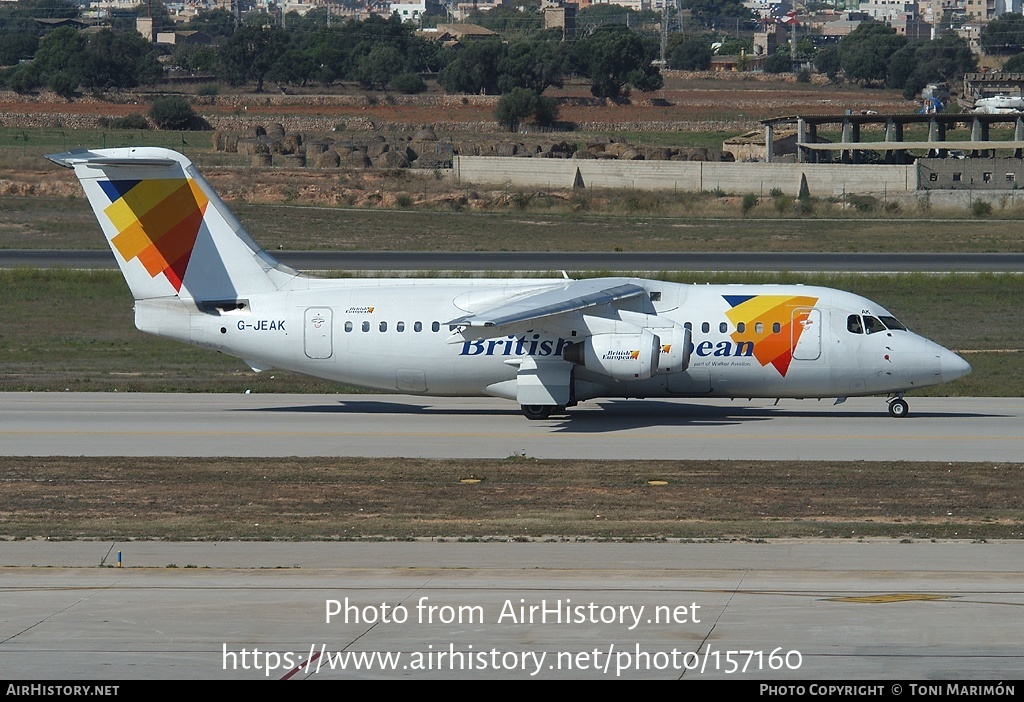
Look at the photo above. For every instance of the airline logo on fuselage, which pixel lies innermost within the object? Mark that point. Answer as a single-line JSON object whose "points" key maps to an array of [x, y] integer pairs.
{"points": [[359, 310], [515, 346], [759, 315], [157, 222]]}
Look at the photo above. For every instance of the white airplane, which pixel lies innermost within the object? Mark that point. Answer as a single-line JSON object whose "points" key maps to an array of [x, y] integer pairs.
{"points": [[999, 104], [547, 344]]}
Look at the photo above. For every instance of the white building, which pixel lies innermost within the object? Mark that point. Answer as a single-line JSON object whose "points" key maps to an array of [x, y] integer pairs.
{"points": [[409, 11], [888, 10]]}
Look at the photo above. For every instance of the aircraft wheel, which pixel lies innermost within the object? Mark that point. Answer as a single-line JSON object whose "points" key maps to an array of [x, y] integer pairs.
{"points": [[538, 411], [899, 408]]}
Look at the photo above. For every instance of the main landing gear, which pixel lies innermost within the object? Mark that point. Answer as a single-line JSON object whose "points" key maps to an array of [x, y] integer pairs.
{"points": [[540, 411], [898, 407]]}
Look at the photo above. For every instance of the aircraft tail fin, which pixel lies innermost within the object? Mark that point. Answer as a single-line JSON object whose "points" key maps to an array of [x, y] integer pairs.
{"points": [[170, 233]]}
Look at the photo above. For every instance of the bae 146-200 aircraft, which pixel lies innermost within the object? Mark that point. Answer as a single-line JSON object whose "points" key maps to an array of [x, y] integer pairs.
{"points": [[547, 344]]}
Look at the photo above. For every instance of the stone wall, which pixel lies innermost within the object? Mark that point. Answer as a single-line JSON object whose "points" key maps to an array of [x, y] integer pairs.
{"points": [[822, 180]]}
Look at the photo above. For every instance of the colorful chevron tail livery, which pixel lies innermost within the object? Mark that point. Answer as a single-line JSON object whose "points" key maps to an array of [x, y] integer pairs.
{"points": [[157, 223], [170, 233]]}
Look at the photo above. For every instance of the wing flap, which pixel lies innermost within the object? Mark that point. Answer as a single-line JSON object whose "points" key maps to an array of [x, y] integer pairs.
{"points": [[573, 296]]}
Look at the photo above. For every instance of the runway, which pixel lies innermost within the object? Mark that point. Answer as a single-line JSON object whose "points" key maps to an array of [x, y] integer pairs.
{"points": [[140, 424], [785, 611]]}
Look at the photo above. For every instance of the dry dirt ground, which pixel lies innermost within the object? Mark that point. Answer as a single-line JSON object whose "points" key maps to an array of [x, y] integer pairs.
{"points": [[688, 100], [515, 498]]}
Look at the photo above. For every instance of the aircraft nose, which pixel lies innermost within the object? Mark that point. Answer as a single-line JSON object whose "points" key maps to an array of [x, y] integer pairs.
{"points": [[952, 366]]}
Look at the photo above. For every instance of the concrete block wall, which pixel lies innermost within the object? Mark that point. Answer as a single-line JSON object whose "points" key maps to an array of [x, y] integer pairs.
{"points": [[823, 180]]}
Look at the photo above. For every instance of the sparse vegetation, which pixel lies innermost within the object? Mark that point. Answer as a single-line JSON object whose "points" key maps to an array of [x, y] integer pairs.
{"points": [[749, 203], [345, 498], [172, 113], [133, 121]]}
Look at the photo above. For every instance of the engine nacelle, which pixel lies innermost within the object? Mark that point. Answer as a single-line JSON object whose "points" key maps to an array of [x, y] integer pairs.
{"points": [[675, 350], [619, 356]]}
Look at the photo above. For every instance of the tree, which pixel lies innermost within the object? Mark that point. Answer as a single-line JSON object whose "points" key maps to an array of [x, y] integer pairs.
{"points": [[61, 60], [828, 61], [1003, 35], [599, 15], [521, 103], [536, 64], [216, 23], [779, 62], [408, 83], [250, 53], [1015, 64], [295, 67], [23, 78], [120, 60], [195, 59], [918, 63], [706, 11], [475, 69], [614, 57], [902, 65], [172, 113], [864, 54], [692, 54], [380, 66]]}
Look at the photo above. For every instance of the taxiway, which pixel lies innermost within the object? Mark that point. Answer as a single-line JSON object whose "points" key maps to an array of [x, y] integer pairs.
{"points": [[142, 424]]}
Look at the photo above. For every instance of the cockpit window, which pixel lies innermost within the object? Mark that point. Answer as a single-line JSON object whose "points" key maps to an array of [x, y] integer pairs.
{"points": [[853, 324], [893, 323], [873, 325]]}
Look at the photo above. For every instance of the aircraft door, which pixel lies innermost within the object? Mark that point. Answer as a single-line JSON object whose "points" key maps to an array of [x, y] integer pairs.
{"points": [[806, 331], [316, 332]]}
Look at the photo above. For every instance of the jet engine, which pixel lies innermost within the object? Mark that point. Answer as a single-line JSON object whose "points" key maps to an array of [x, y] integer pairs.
{"points": [[675, 350], [633, 356], [620, 356]]}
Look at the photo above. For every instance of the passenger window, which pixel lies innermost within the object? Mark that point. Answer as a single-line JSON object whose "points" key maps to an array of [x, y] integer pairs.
{"points": [[776, 327], [436, 326], [655, 296], [366, 326], [758, 328], [853, 324], [348, 326], [400, 327], [417, 327], [688, 325], [705, 327], [383, 326], [872, 325], [741, 327], [723, 327]]}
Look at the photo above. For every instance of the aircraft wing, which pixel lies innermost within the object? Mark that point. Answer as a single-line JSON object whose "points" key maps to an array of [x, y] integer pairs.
{"points": [[574, 295]]}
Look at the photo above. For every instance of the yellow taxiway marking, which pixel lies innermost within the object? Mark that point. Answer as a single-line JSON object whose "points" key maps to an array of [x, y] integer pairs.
{"points": [[894, 597]]}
